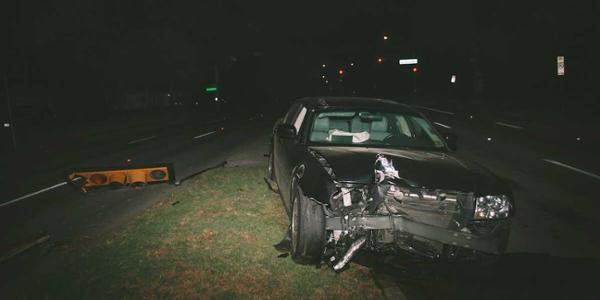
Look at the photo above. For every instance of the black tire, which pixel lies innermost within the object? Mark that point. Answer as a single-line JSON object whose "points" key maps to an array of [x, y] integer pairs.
{"points": [[307, 229]]}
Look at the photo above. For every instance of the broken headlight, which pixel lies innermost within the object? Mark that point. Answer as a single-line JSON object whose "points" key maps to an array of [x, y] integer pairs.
{"points": [[492, 207]]}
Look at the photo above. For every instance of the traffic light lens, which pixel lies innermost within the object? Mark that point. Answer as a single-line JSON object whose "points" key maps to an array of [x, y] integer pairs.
{"points": [[98, 179], [158, 174]]}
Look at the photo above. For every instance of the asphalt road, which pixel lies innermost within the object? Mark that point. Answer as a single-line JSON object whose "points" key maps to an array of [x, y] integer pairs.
{"points": [[554, 248], [65, 213]]}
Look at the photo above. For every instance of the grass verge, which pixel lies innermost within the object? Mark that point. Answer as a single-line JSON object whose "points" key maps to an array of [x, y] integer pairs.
{"points": [[215, 242]]}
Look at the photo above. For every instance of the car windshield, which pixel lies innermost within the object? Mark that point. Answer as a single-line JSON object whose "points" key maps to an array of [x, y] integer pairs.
{"points": [[368, 128]]}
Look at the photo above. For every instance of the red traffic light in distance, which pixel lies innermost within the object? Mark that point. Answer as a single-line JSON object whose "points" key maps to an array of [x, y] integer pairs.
{"points": [[341, 71], [414, 69]]}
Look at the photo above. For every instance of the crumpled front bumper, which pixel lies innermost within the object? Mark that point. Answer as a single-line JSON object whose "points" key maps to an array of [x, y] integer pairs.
{"points": [[492, 242]]}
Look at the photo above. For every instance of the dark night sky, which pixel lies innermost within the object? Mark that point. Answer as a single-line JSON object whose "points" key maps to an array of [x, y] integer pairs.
{"points": [[78, 45]]}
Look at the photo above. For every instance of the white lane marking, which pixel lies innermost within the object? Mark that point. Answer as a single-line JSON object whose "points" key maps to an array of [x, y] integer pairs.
{"points": [[436, 110], [204, 134], [440, 124], [572, 168], [142, 140], [508, 125], [32, 194]]}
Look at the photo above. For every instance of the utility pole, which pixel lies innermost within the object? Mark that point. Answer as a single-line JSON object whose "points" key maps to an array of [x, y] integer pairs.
{"points": [[11, 125]]}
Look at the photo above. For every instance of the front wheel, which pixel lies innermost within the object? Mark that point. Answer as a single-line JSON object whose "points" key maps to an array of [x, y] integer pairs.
{"points": [[307, 229]]}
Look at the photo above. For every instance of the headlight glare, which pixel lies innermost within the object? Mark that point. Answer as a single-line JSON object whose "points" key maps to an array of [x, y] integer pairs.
{"points": [[492, 207]]}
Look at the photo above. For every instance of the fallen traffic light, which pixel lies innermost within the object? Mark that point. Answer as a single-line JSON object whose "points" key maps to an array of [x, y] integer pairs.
{"points": [[131, 175]]}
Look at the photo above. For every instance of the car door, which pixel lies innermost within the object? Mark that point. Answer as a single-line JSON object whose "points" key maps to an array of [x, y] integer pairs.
{"points": [[286, 153]]}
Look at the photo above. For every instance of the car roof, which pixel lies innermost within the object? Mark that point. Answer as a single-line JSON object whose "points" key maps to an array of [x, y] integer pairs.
{"points": [[355, 102]]}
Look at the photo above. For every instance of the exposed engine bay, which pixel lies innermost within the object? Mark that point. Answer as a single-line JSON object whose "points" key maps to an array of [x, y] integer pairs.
{"points": [[396, 214]]}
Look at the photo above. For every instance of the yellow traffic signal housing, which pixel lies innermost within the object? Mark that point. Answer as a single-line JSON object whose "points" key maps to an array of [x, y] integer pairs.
{"points": [[134, 176]]}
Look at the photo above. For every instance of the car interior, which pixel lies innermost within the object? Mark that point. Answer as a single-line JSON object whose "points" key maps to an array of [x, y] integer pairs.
{"points": [[373, 128]]}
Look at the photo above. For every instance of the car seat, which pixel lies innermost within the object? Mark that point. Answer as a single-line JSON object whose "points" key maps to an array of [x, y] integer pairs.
{"points": [[320, 131], [379, 130]]}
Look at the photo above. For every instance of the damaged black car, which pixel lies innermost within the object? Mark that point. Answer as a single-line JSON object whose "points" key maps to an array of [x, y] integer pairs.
{"points": [[373, 174]]}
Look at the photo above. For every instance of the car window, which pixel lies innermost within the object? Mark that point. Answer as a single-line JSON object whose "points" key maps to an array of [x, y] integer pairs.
{"points": [[300, 119], [373, 128], [425, 132]]}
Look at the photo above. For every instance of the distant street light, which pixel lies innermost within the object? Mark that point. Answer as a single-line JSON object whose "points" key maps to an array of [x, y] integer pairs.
{"points": [[414, 69], [385, 37], [323, 76], [341, 71], [352, 64], [453, 79], [323, 65], [216, 99], [380, 60]]}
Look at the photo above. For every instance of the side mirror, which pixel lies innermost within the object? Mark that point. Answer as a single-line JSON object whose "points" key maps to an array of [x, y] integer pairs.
{"points": [[451, 140], [285, 131]]}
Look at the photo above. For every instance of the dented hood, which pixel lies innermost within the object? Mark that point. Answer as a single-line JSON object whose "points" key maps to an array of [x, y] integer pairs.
{"points": [[429, 169]]}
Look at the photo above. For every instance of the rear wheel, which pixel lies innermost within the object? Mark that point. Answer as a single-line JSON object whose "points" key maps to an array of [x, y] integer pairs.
{"points": [[307, 229]]}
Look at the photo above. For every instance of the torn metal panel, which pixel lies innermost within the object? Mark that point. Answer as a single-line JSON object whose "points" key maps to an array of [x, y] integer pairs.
{"points": [[384, 169], [356, 245]]}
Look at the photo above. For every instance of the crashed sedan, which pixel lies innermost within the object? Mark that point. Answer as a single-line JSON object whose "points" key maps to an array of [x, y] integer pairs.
{"points": [[372, 174]]}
